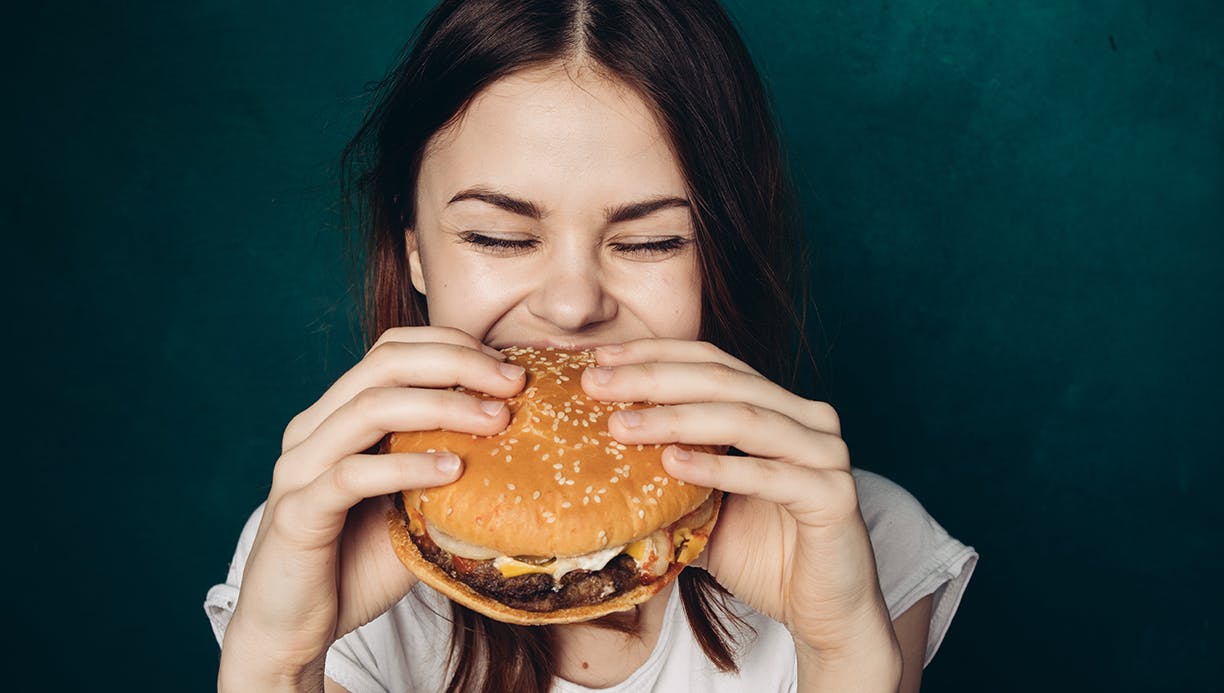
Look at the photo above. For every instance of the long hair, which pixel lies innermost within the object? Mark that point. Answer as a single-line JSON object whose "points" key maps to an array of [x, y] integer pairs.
{"points": [[687, 61]]}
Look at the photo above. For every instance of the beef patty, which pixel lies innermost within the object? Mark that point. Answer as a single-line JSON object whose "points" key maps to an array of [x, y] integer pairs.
{"points": [[534, 591]]}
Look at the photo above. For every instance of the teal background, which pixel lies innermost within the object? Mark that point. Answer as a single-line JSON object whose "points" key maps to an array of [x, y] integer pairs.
{"points": [[1019, 208]]}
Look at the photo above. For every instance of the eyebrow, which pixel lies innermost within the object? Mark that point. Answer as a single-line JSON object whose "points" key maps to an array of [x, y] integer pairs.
{"points": [[619, 213]]}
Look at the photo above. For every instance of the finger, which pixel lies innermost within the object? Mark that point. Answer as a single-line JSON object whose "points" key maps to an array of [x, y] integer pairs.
{"points": [[313, 516], [674, 383], [817, 497], [658, 349], [365, 419], [441, 335], [754, 430], [420, 364]]}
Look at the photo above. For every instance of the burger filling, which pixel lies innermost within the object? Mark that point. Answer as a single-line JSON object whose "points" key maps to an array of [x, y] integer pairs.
{"points": [[552, 583]]}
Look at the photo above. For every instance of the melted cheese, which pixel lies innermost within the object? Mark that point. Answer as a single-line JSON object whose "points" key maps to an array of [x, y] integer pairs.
{"points": [[512, 567]]}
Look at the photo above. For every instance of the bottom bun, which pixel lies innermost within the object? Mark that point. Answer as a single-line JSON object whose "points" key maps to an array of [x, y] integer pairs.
{"points": [[432, 575]]}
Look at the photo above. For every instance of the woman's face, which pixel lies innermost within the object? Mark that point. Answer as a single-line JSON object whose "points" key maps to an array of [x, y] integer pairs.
{"points": [[553, 213]]}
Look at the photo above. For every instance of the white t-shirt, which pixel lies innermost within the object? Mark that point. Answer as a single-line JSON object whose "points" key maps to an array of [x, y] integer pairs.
{"points": [[406, 647]]}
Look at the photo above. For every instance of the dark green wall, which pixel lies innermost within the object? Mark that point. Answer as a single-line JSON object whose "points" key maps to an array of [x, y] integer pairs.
{"points": [[1019, 208]]}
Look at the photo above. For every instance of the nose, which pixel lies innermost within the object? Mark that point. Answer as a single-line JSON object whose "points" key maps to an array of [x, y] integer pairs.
{"points": [[571, 294]]}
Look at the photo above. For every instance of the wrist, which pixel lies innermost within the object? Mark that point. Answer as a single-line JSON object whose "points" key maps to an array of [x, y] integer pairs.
{"points": [[237, 678], [869, 667], [245, 666]]}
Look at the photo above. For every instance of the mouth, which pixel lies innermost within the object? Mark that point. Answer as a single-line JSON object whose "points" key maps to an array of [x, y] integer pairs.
{"points": [[552, 344]]}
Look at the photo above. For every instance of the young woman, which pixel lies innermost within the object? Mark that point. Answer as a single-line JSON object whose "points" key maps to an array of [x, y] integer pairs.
{"points": [[591, 174]]}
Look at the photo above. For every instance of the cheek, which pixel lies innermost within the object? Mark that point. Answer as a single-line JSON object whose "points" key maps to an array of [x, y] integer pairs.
{"points": [[468, 294], [669, 301]]}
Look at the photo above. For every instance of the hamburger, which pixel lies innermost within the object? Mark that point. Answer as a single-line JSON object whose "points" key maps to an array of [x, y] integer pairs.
{"points": [[553, 520]]}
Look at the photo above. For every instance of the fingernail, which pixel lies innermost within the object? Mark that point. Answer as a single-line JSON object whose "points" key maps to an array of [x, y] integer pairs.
{"points": [[679, 453], [629, 419], [511, 371], [601, 374], [446, 463], [492, 407], [610, 349]]}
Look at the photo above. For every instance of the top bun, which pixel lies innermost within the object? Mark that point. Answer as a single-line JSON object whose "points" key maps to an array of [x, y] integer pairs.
{"points": [[554, 482]]}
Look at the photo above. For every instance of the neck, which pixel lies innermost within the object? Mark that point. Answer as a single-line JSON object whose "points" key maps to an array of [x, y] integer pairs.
{"points": [[597, 657]]}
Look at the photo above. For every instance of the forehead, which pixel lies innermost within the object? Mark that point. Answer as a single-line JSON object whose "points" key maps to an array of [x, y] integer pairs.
{"points": [[555, 132]]}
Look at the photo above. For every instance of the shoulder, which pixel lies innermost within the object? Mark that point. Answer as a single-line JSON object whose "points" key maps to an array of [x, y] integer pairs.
{"points": [[915, 556], [907, 541]]}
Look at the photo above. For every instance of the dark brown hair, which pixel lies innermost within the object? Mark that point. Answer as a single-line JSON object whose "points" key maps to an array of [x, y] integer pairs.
{"points": [[686, 59]]}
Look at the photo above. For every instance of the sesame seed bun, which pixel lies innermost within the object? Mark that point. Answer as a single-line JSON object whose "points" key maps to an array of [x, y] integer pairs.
{"points": [[435, 577], [554, 483]]}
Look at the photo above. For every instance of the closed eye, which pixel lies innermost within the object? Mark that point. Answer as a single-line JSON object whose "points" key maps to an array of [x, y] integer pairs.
{"points": [[665, 245], [497, 242]]}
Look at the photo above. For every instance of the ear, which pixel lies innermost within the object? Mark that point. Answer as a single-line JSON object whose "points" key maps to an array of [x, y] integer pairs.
{"points": [[414, 261]]}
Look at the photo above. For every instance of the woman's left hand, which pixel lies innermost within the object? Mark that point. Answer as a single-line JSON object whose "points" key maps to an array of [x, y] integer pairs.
{"points": [[790, 541]]}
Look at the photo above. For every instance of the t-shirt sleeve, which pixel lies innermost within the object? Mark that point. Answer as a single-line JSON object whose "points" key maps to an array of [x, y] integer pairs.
{"points": [[349, 662], [914, 554]]}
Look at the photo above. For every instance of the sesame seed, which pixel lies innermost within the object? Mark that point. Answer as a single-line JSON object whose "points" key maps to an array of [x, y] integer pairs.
{"points": [[509, 457], [518, 499], [535, 495], [510, 486], [597, 499], [586, 500], [641, 513], [536, 448], [486, 482], [566, 504]]}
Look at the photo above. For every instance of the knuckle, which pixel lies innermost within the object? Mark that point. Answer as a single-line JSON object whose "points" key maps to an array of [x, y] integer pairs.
{"points": [[825, 415], [392, 334], [722, 374], [839, 450], [747, 412], [283, 515], [381, 353], [293, 433], [843, 493], [650, 374], [370, 402], [346, 475]]}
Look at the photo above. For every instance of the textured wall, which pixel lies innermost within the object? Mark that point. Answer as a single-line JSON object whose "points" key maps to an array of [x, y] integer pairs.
{"points": [[1019, 209]]}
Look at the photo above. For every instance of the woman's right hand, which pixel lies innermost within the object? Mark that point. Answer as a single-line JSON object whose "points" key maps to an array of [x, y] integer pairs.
{"points": [[322, 563]]}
